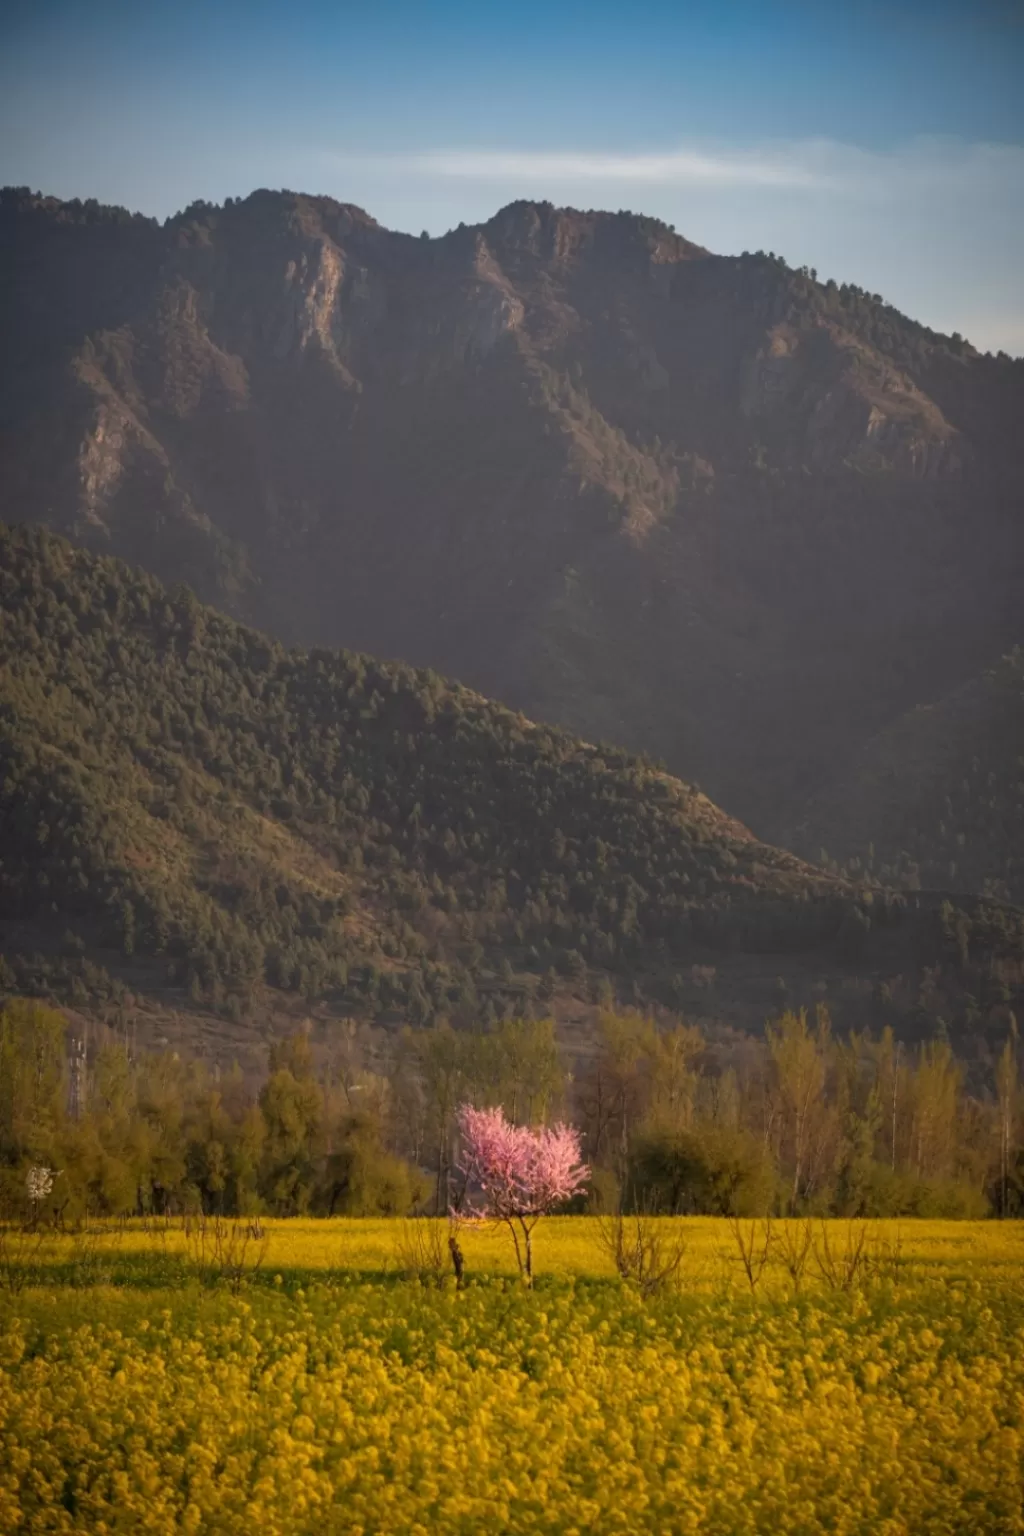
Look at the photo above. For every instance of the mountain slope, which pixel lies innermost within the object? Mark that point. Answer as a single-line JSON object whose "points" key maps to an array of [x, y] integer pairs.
{"points": [[191, 810], [177, 786], [938, 798], [707, 507]]}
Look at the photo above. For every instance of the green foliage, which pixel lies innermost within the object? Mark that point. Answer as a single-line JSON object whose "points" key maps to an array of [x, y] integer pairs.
{"points": [[363, 1179], [176, 789], [802, 1123], [32, 1079], [362, 1123], [292, 1117], [158, 1134], [713, 1171]]}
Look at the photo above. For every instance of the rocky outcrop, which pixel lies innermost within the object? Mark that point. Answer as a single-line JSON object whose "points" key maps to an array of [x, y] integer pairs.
{"points": [[853, 408], [700, 503]]}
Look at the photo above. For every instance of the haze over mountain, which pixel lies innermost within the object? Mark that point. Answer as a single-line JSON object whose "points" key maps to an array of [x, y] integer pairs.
{"points": [[937, 798], [228, 829], [706, 507]]}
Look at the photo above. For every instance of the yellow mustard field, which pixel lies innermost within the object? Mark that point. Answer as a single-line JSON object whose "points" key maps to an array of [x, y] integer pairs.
{"points": [[146, 1386]]}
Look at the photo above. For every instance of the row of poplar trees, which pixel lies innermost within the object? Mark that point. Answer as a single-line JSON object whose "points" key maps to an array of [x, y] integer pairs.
{"points": [[362, 1121]]}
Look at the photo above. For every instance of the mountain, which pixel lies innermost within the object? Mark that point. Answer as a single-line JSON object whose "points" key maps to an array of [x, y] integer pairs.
{"points": [[175, 785], [937, 799], [705, 507], [194, 813]]}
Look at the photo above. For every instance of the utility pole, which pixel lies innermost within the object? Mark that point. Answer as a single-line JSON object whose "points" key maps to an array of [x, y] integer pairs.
{"points": [[77, 1091], [895, 1091]]}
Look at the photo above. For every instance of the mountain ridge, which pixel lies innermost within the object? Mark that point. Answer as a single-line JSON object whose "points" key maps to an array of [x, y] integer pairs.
{"points": [[704, 506]]}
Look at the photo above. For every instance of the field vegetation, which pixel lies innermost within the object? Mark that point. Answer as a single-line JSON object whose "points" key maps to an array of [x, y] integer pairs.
{"points": [[331, 1386]]}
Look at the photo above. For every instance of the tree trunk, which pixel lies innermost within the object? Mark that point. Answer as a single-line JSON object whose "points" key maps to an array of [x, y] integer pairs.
{"points": [[519, 1253], [458, 1262]]}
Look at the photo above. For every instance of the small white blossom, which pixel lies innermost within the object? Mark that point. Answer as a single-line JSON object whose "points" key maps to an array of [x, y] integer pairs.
{"points": [[38, 1183]]}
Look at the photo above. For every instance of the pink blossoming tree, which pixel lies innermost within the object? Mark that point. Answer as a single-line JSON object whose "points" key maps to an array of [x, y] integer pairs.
{"points": [[516, 1174]]}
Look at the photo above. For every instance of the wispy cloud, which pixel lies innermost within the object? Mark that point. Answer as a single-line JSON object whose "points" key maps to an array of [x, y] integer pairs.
{"points": [[927, 166], [935, 224], [679, 167]]}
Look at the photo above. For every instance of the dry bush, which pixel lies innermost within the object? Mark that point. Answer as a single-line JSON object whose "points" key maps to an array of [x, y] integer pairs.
{"points": [[20, 1252], [228, 1248], [886, 1259], [421, 1250], [842, 1262], [89, 1249], [158, 1229], [794, 1242], [755, 1241], [426, 1248], [643, 1253]]}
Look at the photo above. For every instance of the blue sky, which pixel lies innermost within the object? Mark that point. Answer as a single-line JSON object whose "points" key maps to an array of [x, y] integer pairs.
{"points": [[881, 144]]}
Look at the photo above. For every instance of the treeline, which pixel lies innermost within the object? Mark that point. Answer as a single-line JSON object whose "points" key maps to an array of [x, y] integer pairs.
{"points": [[866, 315], [23, 200], [800, 1121]]}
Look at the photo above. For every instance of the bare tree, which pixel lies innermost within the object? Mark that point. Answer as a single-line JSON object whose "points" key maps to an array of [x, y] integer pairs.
{"points": [[755, 1240], [645, 1255], [231, 1249], [423, 1249], [795, 1240], [842, 1262], [20, 1251]]}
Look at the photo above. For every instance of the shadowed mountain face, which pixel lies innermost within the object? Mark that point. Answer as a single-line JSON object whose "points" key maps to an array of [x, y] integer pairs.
{"points": [[194, 815], [937, 799], [703, 506]]}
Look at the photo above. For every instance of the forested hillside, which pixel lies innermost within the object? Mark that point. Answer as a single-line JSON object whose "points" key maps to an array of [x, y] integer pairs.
{"points": [[712, 508], [191, 810], [937, 800], [180, 786]]}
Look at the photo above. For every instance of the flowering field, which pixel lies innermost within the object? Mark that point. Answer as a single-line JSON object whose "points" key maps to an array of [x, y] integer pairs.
{"points": [[144, 1389]]}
